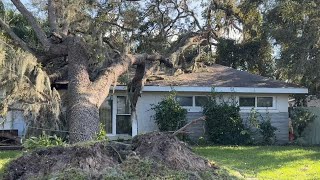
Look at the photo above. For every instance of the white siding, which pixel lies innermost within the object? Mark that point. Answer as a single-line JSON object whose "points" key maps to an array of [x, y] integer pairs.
{"points": [[147, 124], [282, 102], [144, 112], [13, 120]]}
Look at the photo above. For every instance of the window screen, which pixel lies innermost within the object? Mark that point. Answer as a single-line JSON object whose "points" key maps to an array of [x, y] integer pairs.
{"points": [[105, 115], [123, 106], [201, 100], [184, 100], [247, 101], [264, 102]]}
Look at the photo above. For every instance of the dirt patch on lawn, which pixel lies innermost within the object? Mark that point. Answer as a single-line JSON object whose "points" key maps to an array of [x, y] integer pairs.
{"points": [[150, 156]]}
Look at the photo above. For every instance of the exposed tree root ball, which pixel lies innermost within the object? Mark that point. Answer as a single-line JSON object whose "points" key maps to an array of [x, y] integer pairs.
{"points": [[167, 149], [41, 163], [150, 156]]}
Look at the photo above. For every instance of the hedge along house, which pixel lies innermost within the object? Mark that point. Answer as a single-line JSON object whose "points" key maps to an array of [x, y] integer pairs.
{"points": [[250, 91]]}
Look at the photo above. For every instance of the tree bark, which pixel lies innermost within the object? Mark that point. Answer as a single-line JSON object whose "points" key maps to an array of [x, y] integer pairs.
{"points": [[83, 112]]}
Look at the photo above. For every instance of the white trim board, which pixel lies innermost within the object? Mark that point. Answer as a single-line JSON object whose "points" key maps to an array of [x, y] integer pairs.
{"points": [[219, 89]]}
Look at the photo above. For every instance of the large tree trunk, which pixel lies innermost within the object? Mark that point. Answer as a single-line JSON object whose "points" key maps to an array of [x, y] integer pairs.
{"points": [[83, 111], [83, 117]]}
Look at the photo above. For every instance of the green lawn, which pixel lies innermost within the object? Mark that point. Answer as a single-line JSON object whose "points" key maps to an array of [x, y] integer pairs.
{"points": [[6, 156], [266, 162]]}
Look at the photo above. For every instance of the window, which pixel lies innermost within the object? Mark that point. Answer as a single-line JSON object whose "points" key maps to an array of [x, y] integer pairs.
{"points": [[247, 101], [201, 100], [259, 102], [123, 106], [123, 121], [185, 100], [105, 114], [264, 102], [192, 103]]}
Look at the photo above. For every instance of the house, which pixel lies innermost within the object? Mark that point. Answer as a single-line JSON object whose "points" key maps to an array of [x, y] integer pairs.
{"points": [[267, 96], [14, 119]]}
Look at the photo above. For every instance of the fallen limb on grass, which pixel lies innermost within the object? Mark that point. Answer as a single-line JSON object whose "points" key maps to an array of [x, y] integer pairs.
{"points": [[181, 130]]}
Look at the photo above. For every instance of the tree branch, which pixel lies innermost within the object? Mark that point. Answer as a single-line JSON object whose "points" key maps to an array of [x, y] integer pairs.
{"points": [[16, 39], [33, 22], [65, 28], [61, 72], [203, 118], [101, 85], [52, 16], [119, 26], [135, 86]]}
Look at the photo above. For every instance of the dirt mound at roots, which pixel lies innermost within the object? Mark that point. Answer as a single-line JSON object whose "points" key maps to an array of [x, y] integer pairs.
{"points": [[169, 150], [150, 156], [43, 162]]}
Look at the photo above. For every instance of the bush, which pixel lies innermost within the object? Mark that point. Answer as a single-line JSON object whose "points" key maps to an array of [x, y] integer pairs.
{"points": [[43, 140], [224, 124], [169, 115], [268, 132], [102, 134], [300, 119], [260, 129]]}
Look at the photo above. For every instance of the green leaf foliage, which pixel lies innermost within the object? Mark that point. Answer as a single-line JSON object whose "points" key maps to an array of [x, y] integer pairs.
{"points": [[224, 124], [260, 128], [102, 134], [268, 132], [300, 119], [169, 115], [43, 140]]}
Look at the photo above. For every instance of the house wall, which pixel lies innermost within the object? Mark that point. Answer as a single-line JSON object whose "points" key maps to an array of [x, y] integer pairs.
{"points": [[144, 112], [13, 120], [278, 114]]}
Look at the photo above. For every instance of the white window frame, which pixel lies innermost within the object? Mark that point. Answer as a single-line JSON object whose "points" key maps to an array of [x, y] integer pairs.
{"points": [[192, 108], [274, 102], [114, 115]]}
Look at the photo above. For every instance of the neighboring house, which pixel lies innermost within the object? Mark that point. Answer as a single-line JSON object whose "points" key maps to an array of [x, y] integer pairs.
{"points": [[13, 119], [251, 91]]}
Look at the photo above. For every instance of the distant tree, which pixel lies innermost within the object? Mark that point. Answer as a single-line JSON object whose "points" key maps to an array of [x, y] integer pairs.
{"points": [[294, 27], [253, 52]]}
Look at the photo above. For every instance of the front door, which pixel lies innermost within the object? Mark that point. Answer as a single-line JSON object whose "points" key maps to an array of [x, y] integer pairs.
{"points": [[123, 121], [115, 115]]}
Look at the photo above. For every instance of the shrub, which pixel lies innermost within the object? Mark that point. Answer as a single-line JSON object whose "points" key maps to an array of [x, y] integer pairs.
{"points": [[268, 132], [102, 134], [43, 140], [300, 119], [260, 129], [169, 115], [224, 124]]}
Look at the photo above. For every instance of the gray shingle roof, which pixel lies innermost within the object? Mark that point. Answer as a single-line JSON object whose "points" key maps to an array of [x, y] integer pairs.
{"points": [[219, 76]]}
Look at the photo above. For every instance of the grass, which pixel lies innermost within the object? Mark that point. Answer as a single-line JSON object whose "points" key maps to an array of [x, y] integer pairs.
{"points": [[6, 156], [266, 162]]}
